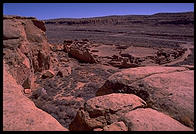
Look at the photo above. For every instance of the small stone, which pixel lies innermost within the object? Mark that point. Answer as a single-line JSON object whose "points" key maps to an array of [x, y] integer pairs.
{"points": [[48, 74], [98, 129], [26, 84], [43, 91], [27, 91]]}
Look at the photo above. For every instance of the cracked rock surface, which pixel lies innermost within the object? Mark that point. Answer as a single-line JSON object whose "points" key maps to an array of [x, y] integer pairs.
{"points": [[122, 112], [166, 89], [22, 114]]}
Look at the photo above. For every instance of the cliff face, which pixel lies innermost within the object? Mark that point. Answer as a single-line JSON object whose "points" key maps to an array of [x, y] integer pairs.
{"points": [[25, 48], [25, 52], [156, 19]]}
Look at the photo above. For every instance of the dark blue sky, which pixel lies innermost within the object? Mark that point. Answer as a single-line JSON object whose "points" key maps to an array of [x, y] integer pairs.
{"points": [[82, 10]]}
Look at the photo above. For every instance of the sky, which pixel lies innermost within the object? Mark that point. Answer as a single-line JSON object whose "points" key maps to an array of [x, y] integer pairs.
{"points": [[83, 10]]}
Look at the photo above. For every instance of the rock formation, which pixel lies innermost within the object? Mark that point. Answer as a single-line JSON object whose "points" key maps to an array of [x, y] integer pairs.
{"points": [[104, 110], [122, 112], [20, 113], [25, 53], [167, 89], [86, 86], [147, 119], [80, 52], [25, 48]]}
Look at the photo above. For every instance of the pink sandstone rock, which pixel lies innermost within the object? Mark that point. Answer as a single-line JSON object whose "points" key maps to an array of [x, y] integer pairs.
{"points": [[147, 119], [167, 89], [116, 126], [20, 113]]}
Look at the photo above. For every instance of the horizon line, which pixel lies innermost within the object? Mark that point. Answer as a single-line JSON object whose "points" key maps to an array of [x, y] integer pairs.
{"points": [[90, 17]]}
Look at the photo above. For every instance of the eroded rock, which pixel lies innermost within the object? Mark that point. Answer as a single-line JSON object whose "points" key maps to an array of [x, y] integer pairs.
{"points": [[82, 55], [20, 113], [104, 110], [25, 47], [167, 89], [147, 119], [48, 74]]}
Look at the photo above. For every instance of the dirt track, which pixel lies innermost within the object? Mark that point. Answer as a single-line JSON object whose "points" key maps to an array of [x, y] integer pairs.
{"points": [[188, 46]]}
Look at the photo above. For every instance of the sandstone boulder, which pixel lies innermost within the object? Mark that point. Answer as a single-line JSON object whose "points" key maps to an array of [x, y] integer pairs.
{"points": [[147, 119], [48, 74], [82, 56], [81, 53], [167, 89], [104, 110]]}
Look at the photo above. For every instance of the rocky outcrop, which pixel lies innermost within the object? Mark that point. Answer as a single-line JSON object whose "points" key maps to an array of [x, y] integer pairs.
{"points": [[167, 89], [20, 113], [104, 110], [81, 53], [122, 112], [25, 48], [147, 119]]}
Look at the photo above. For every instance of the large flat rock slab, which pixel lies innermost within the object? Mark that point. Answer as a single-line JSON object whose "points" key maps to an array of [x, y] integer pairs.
{"points": [[167, 89], [147, 119]]}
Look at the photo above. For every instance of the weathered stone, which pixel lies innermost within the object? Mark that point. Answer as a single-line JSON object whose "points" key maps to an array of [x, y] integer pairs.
{"points": [[39, 24], [116, 126], [81, 55], [167, 89], [41, 61], [27, 84], [147, 119], [115, 102], [25, 48], [27, 91], [48, 74], [99, 111], [98, 129], [10, 30], [21, 114]]}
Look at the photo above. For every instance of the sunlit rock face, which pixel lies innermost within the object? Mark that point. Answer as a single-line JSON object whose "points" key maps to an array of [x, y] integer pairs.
{"points": [[25, 48]]}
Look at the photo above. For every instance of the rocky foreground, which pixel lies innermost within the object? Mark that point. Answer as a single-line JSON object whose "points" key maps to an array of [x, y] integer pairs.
{"points": [[88, 86]]}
